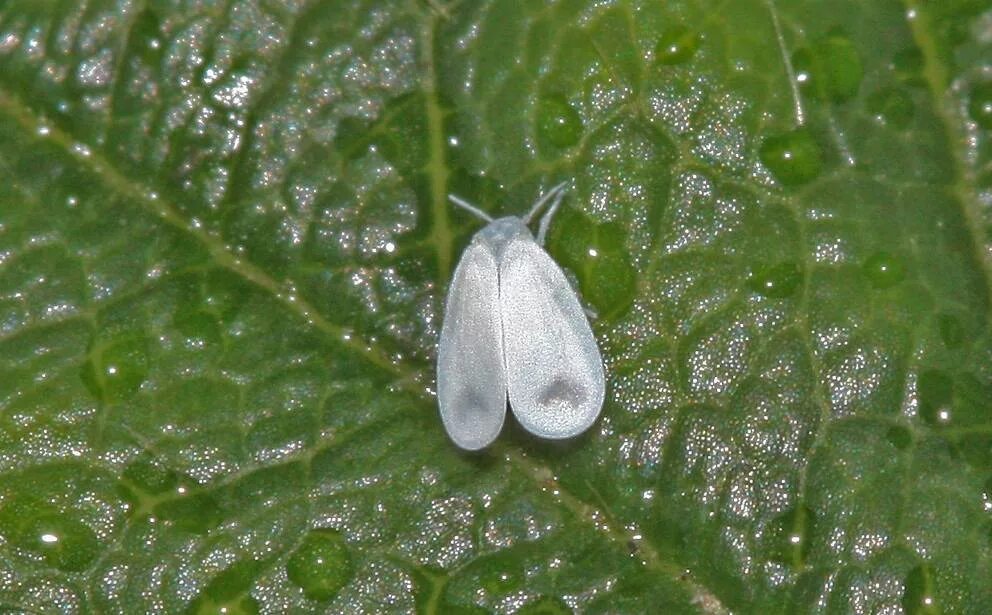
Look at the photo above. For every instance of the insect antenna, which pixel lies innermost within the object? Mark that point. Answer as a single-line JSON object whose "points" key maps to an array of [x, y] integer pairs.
{"points": [[541, 202], [542, 229], [469, 207]]}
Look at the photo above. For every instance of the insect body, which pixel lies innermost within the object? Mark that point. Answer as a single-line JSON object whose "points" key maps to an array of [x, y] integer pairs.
{"points": [[513, 328]]}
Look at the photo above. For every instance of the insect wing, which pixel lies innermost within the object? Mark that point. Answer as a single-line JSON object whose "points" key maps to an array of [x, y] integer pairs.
{"points": [[471, 380], [554, 370]]}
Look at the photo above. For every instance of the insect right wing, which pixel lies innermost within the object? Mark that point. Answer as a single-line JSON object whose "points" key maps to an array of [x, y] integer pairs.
{"points": [[555, 374], [471, 377]]}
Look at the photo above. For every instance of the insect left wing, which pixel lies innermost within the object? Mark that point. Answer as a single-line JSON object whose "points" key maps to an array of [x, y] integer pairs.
{"points": [[471, 382], [554, 370]]}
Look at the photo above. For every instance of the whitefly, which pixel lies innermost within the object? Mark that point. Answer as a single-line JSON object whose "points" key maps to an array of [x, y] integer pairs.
{"points": [[514, 329]]}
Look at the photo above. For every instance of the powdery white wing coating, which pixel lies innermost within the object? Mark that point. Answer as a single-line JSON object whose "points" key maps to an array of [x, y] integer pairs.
{"points": [[554, 370], [471, 382]]}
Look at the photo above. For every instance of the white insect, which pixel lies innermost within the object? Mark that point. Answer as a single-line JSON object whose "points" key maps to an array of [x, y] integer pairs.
{"points": [[513, 327]]}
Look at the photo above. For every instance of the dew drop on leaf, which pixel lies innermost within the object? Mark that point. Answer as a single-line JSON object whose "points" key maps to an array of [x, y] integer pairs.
{"points": [[596, 253], [228, 593], [501, 580], [790, 536], [936, 394], [146, 38], [831, 68], [321, 565], [558, 123], [65, 543], [841, 64], [918, 596], [794, 157], [571, 237], [776, 281], [677, 45], [612, 284], [190, 509], [893, 105], [243, 605], [980, 104], [883, 270]]}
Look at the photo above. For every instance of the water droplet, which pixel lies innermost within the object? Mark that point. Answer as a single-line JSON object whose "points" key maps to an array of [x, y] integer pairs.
{"points": [[596, 253], [64, 543], [558, 123], [116, 367], [893, 105], [832, 66], [228, 593], [951, 330], [794, 158], [546, 605], [776, 281], [936, 394], [790, 536], [883, 270], [321, 565], [841, 65], [918, 597], [980, 104], [677, 45], [612, 284], [191, 510], [146, 32]]}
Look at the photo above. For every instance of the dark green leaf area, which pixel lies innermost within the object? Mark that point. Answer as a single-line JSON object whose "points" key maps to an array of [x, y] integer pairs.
{"points": [[794, 158], [229, 591], [62, 541], [980, 104], [776, 281], [893, 104], [831, 67], [677, 45], [558, 123], [152, 489], [596, 253], [321, 565]]}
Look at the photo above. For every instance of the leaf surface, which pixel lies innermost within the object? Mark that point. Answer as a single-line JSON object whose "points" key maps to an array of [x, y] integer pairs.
{"points": [[225, 242]]}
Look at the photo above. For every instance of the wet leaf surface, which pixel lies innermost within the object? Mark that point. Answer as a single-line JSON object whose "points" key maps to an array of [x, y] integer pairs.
{"points": [[224, 247]]}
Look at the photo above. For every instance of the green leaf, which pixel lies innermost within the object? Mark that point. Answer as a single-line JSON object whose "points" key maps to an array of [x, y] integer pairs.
{"points": [[225, 242]]}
